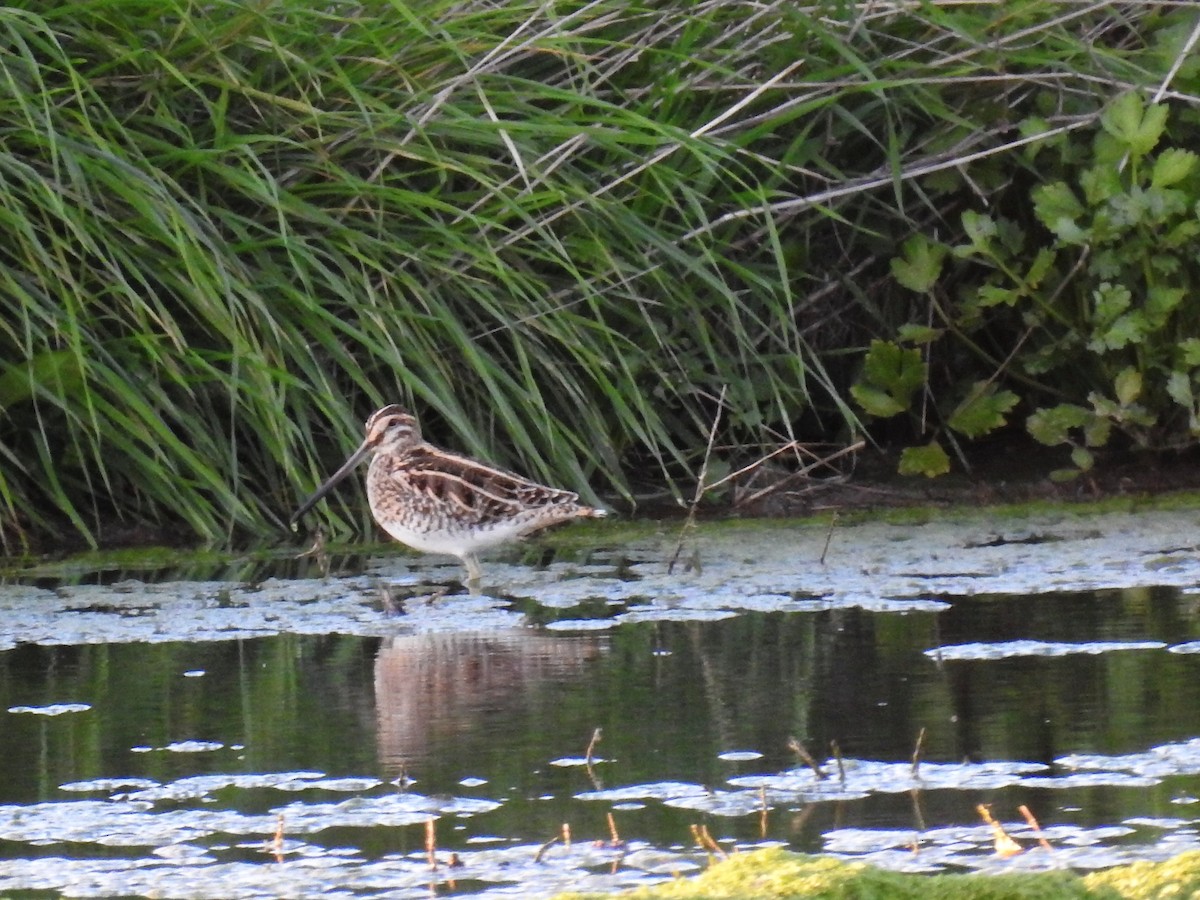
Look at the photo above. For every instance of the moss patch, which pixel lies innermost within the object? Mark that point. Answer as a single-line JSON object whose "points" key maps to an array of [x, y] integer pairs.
{"points": [[780, 875]]}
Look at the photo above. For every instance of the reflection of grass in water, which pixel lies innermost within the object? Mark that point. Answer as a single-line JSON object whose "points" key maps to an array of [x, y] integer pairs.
{"points": [[286, 554], [591, 608], [779, 875]]}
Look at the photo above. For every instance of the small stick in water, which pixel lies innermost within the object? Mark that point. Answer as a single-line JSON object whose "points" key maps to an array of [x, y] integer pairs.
{"points": [[837, 757], [915, 795], [537, 857], [318, 551], [798, 748], [277, 845], [705, 840], [1005, 845], [431, 843], [597, 735], [762, 815], [828, 536], [916, 757], [402, 780], [564, 836], [614, 836], [1033, 823], [589, 756], [690, 522]]}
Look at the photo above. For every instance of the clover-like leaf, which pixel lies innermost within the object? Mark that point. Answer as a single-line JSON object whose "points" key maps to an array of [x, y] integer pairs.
{"points": [[891, 374], [929, 460], [1132, 123], [1042, 263], [982, 410], [1057, 207], [1189, 351], [1128, 329], [1179, 389], [1083, 458], [1128, 385], [920, 263], [1110, 300], [875, 402], [1172, 166], [1052, 424], [1161, 302], [980, 230], [996, 295], [912, 333]]}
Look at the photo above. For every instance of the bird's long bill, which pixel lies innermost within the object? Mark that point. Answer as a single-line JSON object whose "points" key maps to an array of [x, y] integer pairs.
{"points": [[347, 467]]}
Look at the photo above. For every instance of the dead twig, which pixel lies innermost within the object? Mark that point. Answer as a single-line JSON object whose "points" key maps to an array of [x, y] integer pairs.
{"points": [[916, 756], [431, 843], [828, 536], [1037, 829], [537, 857], [613, 835], [690, 522], [277, 844], [744, 470], [318, 551], [837, 758], [918, 815], [805, 757], [705, 841], [597, 735], [799, 473], [1004, 844], [589, 758]]}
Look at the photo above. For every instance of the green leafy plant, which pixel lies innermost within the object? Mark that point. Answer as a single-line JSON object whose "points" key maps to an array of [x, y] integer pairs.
{"points": [[1096, 295], [559, 232], [893, 374]]}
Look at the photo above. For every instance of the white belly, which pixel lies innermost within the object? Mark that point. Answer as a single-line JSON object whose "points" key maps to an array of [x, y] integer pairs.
{"points": [[455, 542]]}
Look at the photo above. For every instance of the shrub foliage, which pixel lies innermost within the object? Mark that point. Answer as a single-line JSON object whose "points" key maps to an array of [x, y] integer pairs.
{"points": [[560, 232]]}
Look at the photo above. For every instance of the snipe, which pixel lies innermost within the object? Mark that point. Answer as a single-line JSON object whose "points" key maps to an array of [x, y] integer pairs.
{"points": [[439, 502]]}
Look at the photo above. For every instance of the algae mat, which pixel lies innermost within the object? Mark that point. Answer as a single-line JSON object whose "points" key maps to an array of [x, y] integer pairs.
{"points": [[724, 568]]}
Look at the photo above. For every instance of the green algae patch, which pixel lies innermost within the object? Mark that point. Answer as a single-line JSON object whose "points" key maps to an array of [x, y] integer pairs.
{"points": [[782, 875], [1178, 877]]}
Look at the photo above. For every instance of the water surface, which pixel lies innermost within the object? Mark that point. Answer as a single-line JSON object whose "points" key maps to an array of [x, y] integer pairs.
{"points": [[291, 733]]}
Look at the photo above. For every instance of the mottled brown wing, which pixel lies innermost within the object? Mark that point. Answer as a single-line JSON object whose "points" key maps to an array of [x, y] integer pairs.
{"points": [[472, 491]]}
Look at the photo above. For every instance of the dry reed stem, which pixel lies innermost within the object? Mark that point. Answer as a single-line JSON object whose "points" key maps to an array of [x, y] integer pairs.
{"points": [[1033, 823], [690, 522], [799, 473], [277, 844], [916, 756], [918, 814], [537, 857], [431, 843], [837, 757], [1005, 845], [597, 735], [828, 536], [763, 811], [613, 835], [805, 757], [705, 841]]}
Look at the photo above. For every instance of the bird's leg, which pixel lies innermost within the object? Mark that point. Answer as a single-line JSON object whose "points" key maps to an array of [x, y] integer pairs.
{"points": [[474, 573]]}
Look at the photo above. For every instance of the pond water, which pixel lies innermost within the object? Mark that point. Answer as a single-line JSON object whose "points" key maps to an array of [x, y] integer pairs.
{"points": [[276, 728]]}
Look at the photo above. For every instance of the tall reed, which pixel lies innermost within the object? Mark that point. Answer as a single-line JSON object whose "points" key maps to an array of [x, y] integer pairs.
{"points": [[557, 231]]}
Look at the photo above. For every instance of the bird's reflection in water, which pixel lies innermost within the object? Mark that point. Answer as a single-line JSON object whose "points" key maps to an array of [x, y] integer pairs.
{"points": [[434, 692]]}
